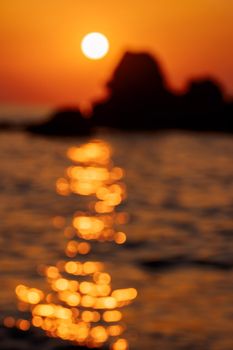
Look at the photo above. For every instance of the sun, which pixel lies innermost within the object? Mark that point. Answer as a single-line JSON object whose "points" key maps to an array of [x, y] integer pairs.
{"points": [[95, 45]]}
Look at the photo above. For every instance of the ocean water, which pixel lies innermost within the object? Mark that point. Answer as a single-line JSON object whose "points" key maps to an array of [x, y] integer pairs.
{"points": [[179, 249]]}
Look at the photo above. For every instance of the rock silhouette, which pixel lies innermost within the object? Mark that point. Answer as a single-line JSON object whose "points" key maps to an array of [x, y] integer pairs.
{"points": [[64, 122], [140, 99], [202, 106], [138, 94]]}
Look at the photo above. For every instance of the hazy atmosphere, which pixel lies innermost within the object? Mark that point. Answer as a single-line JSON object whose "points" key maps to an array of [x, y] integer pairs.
{"points": [[116, 149]]}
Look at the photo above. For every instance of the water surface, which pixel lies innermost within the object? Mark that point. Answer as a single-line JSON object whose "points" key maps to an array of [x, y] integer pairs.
{"points": [[179, 249]]}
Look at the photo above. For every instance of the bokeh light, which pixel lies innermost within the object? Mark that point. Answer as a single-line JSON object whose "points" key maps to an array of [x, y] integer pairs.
{"points": [[81, 304]]}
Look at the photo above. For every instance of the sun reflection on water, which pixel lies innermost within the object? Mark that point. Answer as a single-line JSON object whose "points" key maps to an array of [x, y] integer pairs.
{"points": [[81, 305]]}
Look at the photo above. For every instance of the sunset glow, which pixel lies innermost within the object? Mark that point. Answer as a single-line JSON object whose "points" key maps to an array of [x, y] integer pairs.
{"points": [[42, 63]]}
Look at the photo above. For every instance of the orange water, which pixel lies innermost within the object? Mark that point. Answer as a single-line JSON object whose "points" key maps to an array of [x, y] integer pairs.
{"points": [[180, 201]]}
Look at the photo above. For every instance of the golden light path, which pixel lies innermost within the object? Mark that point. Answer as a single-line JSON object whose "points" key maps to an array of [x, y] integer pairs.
{"points": [[81, 305], [95, 46]]}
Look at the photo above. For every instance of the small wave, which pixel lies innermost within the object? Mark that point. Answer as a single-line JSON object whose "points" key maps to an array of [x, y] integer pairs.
{"points": [[175, 263]]}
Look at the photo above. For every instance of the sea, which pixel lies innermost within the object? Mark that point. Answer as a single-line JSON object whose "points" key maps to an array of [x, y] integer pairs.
{"points": [[179, 249]]}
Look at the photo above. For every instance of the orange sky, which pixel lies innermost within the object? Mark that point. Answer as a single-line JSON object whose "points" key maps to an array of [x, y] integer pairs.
{"points": [[41, 61]]}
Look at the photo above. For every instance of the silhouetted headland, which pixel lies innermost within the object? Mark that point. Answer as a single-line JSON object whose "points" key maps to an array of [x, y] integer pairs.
{"points": [[140, 99], [64, 122]]}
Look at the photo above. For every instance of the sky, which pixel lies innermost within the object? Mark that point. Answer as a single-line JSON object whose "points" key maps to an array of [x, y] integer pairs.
{"points": [[42, 63]]}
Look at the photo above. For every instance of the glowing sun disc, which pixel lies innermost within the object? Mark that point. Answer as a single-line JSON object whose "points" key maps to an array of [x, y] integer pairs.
{"points": [[95, 46]]}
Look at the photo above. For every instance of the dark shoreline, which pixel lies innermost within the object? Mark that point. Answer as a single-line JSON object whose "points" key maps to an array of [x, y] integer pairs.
{"points": [[140, 99]]}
